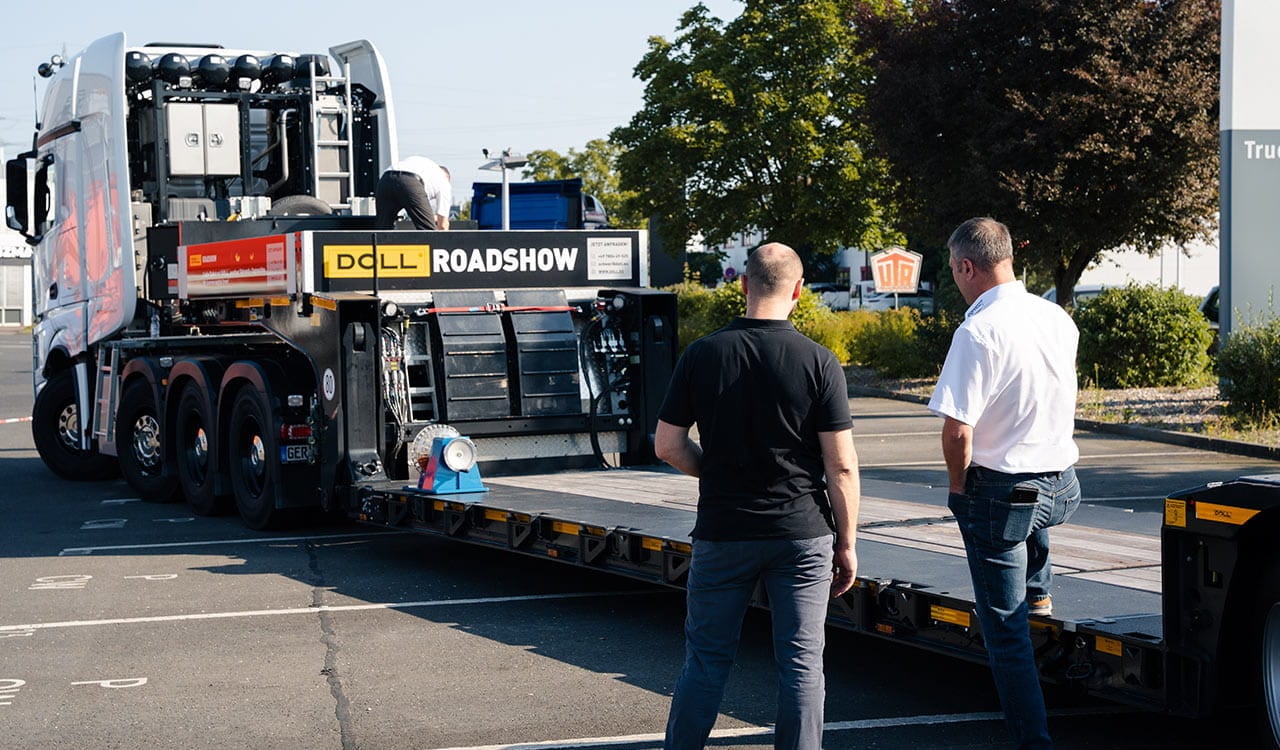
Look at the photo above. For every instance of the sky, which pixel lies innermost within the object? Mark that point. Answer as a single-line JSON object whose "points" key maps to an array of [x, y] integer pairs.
{"points": [[523, 74], [519, 74]]}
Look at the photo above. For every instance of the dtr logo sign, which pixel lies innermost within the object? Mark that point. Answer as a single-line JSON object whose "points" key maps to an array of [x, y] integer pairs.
{"points": [[896, 271]]}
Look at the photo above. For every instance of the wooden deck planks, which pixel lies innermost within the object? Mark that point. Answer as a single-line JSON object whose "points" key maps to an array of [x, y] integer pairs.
{"points": [[1103, 555]]}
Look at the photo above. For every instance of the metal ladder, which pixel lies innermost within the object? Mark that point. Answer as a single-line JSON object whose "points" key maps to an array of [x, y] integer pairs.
{"points": [[332, 149], [105, 391], [423, 406]]}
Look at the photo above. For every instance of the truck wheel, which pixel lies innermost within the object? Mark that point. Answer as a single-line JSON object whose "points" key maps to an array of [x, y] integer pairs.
{"points": [[55, 428], [1266, 626], [253, 460], [299, 205], [140, 446], [194, 434]]}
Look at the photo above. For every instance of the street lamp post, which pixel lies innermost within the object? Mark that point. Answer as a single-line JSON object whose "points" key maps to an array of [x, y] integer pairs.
{"points": [[504, 162]]}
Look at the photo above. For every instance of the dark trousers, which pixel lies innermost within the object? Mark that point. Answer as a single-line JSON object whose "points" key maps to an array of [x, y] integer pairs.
{"points": [[722, 576], [398, 191]]}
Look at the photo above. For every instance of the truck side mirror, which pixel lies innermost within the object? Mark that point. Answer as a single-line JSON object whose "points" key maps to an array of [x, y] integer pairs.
{"points": [[17, 212], [27, 195]]}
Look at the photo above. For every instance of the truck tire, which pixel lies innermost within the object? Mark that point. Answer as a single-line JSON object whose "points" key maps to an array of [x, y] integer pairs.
{"points": [[1267, 628], [253, 460], [299, 205], [140, 446], [55, 428], [194, 436]]}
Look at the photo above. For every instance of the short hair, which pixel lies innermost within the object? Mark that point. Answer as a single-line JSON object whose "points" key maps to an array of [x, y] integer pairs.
{"points": [[984, 241], [773, 268]]}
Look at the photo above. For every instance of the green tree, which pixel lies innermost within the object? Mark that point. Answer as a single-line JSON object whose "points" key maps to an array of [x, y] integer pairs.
{"points": [[755, 124], [597, 165], [1086, 126]]}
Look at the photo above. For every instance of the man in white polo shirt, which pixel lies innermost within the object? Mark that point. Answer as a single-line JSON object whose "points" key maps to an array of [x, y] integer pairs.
{"points": [[420, 188], [1008, 394]]}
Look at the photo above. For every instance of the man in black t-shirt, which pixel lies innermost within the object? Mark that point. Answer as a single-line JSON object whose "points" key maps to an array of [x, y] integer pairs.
{"points": [[778, 476]]}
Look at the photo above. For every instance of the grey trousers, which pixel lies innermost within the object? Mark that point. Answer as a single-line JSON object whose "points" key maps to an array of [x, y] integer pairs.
{"points": [[722, 576]]}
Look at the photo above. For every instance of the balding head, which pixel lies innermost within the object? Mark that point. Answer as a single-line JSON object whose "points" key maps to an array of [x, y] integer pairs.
{"points": [[772, 280], [773, 269]]}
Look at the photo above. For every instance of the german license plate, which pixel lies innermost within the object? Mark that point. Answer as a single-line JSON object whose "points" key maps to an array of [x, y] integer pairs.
{"points": [[295, 454]]}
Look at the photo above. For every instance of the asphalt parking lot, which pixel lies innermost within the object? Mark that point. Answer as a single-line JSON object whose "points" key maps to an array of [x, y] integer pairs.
{"points": [[125, 625]]}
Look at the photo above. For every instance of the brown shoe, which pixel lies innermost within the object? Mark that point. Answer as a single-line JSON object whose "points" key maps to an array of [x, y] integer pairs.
{"points": [[1040, 605]]}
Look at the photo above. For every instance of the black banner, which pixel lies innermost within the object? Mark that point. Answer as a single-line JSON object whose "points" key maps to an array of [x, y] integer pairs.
{"points": [[473, 259]]}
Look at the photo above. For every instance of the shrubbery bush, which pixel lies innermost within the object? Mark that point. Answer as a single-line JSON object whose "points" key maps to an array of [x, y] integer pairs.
{"points": [[839, 330], [890, 344], [693, 306], [1249, 363], [895, 343], [1143, 336], [703, 310], [933, 337]]}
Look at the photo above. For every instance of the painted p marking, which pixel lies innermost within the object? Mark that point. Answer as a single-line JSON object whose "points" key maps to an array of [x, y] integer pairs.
{"points": [[130, 682], [60, 582]]}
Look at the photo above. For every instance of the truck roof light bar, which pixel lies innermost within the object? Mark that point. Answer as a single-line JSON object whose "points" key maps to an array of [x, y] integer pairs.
{"points": [[213, 71], [244, 71], [174, 69], [137, 68], [277, 69], [302, 68]]}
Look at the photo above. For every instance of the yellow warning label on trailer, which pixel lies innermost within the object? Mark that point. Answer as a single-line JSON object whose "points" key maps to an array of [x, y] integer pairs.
{"points": [[1175, 513], [1108, 645], [394, 261], [495, 515], [1224, 513], [324, 303], [560, 527], [653, 544], [947, 614]]}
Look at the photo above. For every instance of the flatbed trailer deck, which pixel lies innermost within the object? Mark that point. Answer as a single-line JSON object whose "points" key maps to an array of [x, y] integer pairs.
{"points": [[913, 582]]}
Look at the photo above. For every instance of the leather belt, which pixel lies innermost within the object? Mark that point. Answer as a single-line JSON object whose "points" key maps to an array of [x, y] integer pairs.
{"points": [[403, 173]]}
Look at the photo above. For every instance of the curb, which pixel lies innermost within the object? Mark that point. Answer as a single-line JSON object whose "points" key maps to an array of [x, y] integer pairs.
{"points": [[1184, 439]]}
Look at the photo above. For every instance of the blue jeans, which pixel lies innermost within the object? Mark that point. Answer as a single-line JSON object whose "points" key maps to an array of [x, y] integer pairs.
{"points": [[1004, 519], [722, 576]]}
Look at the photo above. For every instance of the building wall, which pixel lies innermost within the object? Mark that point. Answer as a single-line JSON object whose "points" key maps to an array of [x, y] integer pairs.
{"points": [[1195, 271]]}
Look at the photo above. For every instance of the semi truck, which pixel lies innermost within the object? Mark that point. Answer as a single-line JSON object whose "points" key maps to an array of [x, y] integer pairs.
{"points": [[219, 319]]}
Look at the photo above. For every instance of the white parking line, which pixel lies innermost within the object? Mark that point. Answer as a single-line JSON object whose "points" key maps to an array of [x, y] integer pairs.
{"points": [[313, 610], [205, 542], [15, 420], [834, 726]]}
